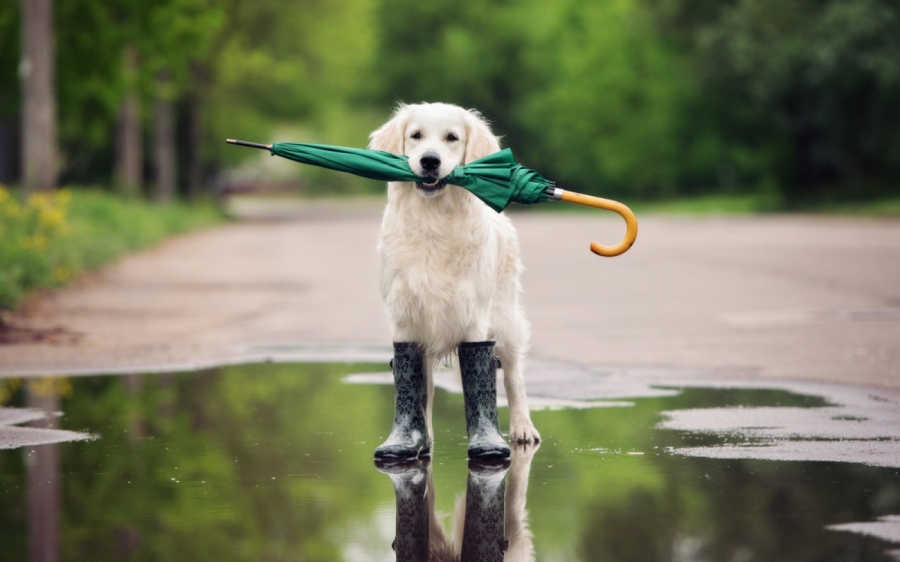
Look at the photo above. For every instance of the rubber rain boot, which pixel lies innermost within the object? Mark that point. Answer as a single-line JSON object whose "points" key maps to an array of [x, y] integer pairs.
{"points": [[409, 437], [483, 539], [478, 367], [410, 479]]}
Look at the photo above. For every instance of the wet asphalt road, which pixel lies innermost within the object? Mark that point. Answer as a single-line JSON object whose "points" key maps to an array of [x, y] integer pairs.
{"points": [[757, 298]]}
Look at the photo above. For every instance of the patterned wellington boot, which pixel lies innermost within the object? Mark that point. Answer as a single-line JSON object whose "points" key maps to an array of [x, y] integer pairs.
{"points": [[478, 367], [409, 437], [483, 531], [410, 480]]}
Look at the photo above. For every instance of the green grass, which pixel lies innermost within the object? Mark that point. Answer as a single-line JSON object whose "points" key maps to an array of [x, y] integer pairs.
{"points": [[709, 205], [881, 208], [50, 240]]}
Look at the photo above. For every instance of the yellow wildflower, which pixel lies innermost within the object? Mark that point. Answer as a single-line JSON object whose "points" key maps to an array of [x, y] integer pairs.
{"points": [[35, 242], [51, 386], [50, 217], [7, 388], [62, 274], [11, 209], [64, 197]]}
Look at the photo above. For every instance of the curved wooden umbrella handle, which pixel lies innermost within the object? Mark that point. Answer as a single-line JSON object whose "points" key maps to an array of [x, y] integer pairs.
{"points": [[631, 225]]}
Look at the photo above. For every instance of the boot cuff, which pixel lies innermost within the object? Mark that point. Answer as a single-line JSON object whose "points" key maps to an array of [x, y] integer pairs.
{"points": [[471, 344]]}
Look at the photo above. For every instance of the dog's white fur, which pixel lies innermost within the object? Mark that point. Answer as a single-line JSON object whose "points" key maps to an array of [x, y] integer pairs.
{"points": [[449, 264]]}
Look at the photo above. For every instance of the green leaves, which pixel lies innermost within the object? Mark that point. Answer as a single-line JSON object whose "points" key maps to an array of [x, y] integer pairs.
{"points": [[639, 98], [815, 83]]}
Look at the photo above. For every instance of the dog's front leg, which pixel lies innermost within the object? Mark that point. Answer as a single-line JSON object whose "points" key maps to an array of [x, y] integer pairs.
{"points": [[430, 365], [521, 545], [521, 429]]}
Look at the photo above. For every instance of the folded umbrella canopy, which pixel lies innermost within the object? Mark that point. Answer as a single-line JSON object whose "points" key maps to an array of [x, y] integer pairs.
{"points": [[497, 179]]}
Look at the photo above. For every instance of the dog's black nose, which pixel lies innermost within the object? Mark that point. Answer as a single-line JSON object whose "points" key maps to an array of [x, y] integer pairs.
{"points": [[430, 161]]}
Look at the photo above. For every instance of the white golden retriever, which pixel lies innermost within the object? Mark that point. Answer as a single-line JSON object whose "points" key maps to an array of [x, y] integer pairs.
{"points": [[450, 264]]}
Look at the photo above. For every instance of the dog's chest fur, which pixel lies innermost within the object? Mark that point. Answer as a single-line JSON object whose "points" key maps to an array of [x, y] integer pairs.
{"points": [[439, 269]]}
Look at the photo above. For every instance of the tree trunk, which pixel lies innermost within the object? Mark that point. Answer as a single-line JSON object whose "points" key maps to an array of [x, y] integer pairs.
{"points": [[38, 68], [164, 141], [129, 145], [8, 144], [195, 142], [42, 486], [200, 80]]}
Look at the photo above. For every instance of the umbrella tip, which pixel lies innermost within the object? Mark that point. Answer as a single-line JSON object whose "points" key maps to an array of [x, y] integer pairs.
{"points": [[250, 144]]}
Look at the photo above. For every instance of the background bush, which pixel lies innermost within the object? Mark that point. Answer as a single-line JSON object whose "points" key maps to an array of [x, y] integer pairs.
{"points": [[52, 237]]}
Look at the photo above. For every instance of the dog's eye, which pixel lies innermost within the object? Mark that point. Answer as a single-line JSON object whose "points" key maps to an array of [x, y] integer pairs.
{"points": [[417, 135], [451, 137]]}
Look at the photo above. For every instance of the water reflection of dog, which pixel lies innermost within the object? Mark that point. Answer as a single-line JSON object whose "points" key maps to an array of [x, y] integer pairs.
{"points": [[489, 524]]}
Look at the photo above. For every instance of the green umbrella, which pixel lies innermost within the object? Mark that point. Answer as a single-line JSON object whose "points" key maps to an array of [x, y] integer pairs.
{"points": [[496, 179]]}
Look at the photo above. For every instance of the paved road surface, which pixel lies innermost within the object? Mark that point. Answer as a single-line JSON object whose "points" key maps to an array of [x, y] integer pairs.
{"points": [[772, 297]]}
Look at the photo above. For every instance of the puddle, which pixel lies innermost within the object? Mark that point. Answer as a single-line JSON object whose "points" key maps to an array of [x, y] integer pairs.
{"points": [[274, 462]]}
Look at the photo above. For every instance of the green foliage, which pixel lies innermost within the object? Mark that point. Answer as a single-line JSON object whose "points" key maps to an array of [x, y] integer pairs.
{"points": [[815, 83], [616, 115], [586, 92], [9, 60], [53, 237], [635, 98]]}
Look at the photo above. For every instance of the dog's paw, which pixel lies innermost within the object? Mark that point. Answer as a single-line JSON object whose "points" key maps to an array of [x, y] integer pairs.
{"points": [[522, 453], [524, 434]]}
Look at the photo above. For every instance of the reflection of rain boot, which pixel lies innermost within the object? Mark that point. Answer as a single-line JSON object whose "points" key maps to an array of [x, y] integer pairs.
{"points": [[478, 367], [410, 480], [409, 436], [483, 539]]}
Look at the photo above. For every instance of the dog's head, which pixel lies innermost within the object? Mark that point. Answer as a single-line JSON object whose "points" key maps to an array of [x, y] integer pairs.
{"points": [[436, 137]]}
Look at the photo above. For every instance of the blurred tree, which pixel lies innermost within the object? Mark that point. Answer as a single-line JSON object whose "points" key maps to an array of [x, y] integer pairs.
{"points": [[619, 112], [583, 91], [471, 54], [129, 137], [38, 74], [820, 79], [10, 43], [238, 62], [178, 34], [90, 80], [164, 148], [631, 97]]}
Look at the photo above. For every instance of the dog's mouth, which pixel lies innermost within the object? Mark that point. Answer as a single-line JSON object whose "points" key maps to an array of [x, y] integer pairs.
{"points": [[431, 186]]}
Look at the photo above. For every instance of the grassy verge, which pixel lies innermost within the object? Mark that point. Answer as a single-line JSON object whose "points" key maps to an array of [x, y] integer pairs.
{"points": [[51, 238], [880, 208], [701, 205]]}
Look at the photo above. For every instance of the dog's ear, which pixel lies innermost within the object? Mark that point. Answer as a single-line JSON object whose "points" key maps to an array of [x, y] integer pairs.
{"points": [[480, 141], [389, 137]]}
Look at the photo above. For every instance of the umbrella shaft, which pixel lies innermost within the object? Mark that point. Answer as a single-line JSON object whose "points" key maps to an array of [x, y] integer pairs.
{"points": [[250, 144]]}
